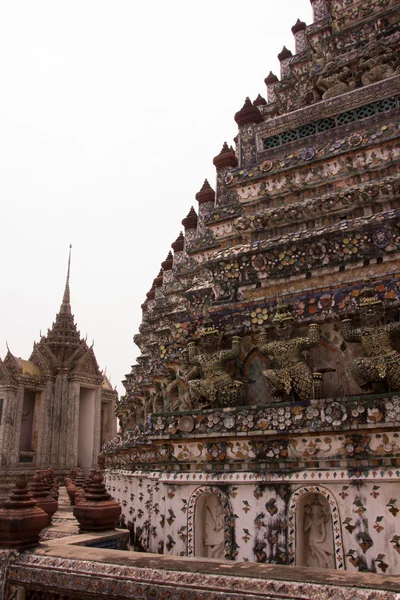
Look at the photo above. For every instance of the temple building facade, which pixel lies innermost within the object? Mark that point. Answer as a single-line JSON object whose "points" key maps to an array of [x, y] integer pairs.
{"points": [[261, 421], [56, 409]]}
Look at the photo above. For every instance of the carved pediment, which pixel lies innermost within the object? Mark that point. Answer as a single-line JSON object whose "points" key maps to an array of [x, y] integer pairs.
{"points": [[88, 364], [4, 374], [43, 361], [11, 365], [44, 357], [77, 356]]}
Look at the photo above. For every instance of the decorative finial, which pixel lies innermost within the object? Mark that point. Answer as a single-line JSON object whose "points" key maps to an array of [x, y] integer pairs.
{"points": [[227, 158], [65, 306], [248, 114], [69, 262], [178, 244], [259, 101], [206, 193], [190, 221]]}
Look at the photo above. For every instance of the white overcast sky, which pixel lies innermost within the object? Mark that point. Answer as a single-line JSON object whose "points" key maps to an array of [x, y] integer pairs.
{"points": [[110, 115]]}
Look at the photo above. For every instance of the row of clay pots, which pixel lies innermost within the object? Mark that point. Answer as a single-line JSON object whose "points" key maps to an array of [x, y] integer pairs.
{"points": [[77, 485], [95, 509], [93, 506], [21, 519], [74, 484], [28, 511], [41, 493]]}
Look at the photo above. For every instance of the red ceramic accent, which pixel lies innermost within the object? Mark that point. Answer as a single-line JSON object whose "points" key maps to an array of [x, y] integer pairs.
{"points": [[42, 496], [190, 221], [89, 478], [21, 520], [71, 491], [177, 245], [259, 101], [79, 496], [167, 263], [151, 294], [206, 194], [158, 280], [271, 78], [227, 158], [98, 512], [248, 114], [298, 26], [284, 54]]}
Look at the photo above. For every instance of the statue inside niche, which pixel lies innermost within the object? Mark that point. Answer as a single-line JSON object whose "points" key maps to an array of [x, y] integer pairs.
{"points": [[292, 374], [214, 526], [334, 81], [318, 546], [217, 388], [382, 361]]}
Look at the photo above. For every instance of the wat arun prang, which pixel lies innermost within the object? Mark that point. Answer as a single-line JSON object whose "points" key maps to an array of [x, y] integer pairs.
{"points": [[260, 422]]}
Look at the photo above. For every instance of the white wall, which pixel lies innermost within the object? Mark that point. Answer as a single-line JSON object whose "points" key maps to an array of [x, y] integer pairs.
{"points": [[86, 427]]}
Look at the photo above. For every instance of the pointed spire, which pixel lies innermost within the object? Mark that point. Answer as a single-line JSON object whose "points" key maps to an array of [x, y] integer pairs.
{"points": [[64, 336], [66, 303]]}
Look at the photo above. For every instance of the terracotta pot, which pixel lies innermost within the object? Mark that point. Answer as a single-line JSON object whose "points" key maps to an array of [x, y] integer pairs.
{"points": [[21, 520]]}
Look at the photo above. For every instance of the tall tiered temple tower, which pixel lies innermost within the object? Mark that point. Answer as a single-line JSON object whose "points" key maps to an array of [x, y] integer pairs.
{"points": [[57, 408], [261, 420]]}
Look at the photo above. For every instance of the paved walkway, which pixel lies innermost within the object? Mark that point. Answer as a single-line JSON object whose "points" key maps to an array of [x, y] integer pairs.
{"points": [[63, 523]]}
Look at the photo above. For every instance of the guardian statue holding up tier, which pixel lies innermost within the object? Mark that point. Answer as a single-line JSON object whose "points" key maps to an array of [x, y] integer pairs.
{"points": [[217, 388], [292, 374], [381, 362]]}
